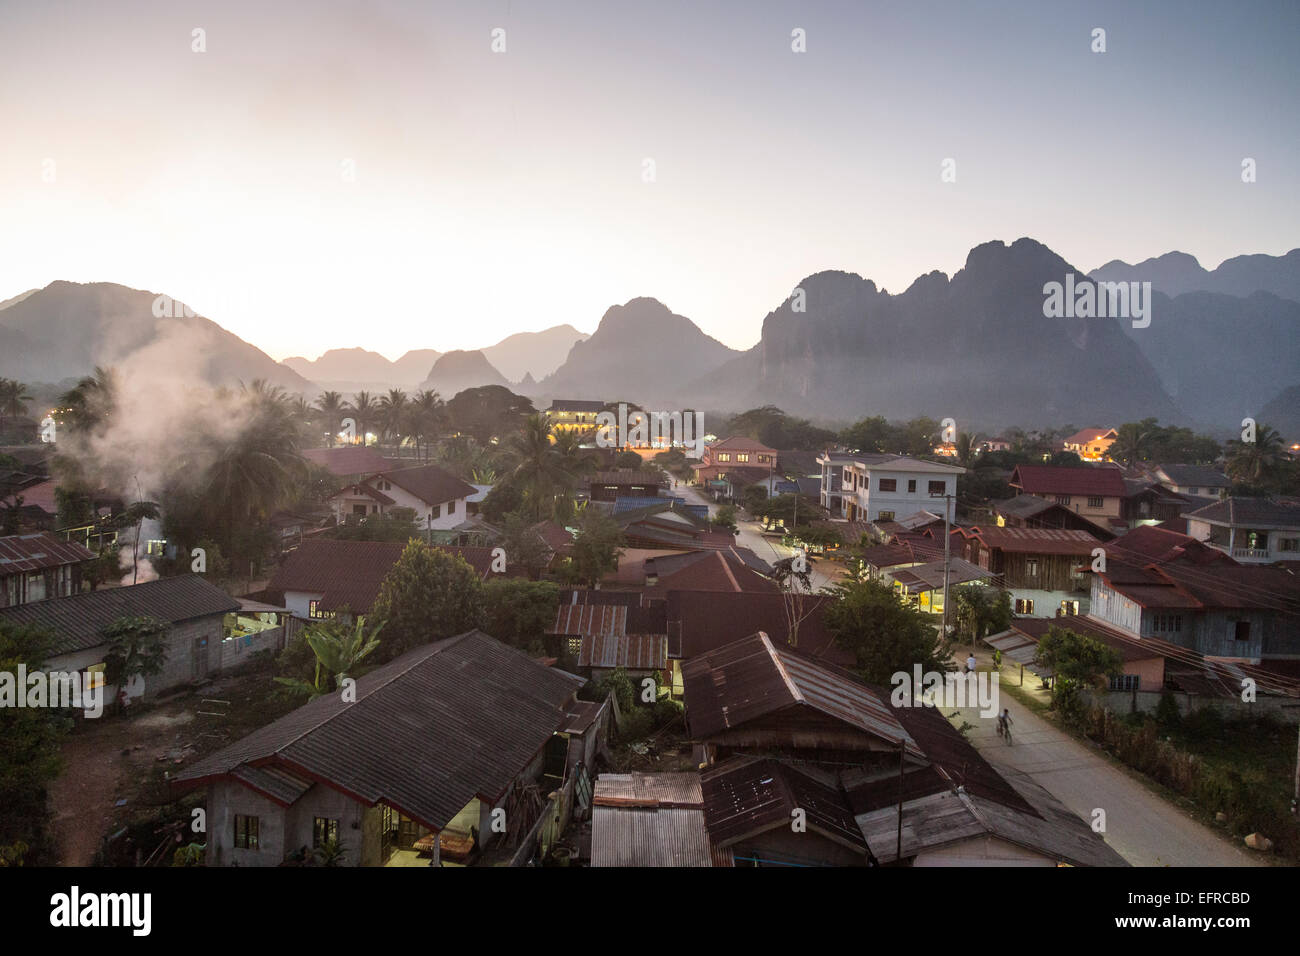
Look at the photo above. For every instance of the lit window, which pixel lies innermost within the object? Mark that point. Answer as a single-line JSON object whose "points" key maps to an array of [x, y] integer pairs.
{"points": [[246, 830]]}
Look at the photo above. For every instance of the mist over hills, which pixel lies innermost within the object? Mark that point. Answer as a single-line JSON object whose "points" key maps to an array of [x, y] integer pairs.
{"points": [[64, 330], [976, 347], [1176, 272]]}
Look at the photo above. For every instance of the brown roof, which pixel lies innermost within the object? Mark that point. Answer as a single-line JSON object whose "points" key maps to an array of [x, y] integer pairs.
{"points": [[714, 571], [627, 476], [20, 553], [347, 459], [350, 573], [1104, 481], [740, 443], [1035, 540], [1251, 512], [638, 652], [1087, 435], [445, 723], [751, 679], [1161, 545], [429, 483], [700, 621]]}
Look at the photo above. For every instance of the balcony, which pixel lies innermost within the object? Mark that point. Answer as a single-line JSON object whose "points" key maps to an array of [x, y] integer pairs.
{"points": [[1251, 554]]}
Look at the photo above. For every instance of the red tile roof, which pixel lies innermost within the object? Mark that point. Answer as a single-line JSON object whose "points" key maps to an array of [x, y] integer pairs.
{"points": [[1103, 481]]}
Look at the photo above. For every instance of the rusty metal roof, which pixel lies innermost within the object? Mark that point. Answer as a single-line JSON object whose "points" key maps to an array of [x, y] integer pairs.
{"points": [[648, 790], [631, 651], [20, 553]]}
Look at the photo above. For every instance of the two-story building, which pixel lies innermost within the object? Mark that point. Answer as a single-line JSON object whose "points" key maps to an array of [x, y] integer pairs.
{"points": [[737, 452], [1250, 530], [1045, 570], [438, 498], [1091, 444], [879, 487], [1096, 493], [573, 415]]}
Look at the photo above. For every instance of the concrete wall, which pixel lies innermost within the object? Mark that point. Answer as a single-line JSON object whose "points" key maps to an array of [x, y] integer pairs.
{"points": [[865, 492], [232, 652], [1286, 710], [226, 799]]}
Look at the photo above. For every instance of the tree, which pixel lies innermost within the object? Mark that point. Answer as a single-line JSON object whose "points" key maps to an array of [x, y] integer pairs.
{"points": [[1256, 462], [540, 471], [364, 409], [13, 400], [967, 446], [793, 576], [596, 547], [332, 406], [791, 509], [1133, 441], [397, 524], [30, 760], [428, 594], [338, 650], [884, 636], [520, 612], [524, 547], [488, 412], [137, 647], [1076, 662], [394, 417], [981, 610], [427, 417], [725, 519]]}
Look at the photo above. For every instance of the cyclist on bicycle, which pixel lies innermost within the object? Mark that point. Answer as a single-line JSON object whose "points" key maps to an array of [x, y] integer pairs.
{"points": [[1004, 722]]}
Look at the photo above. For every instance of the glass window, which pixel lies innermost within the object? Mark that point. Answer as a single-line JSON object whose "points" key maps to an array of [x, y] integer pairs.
{"points": [[888, 484], [938, 488], [911, 486], [324, 830], [246, 829]]}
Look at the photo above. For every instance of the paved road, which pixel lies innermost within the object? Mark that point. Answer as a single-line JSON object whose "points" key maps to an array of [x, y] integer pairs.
{"points": [[1141, 826], [749, 534]]}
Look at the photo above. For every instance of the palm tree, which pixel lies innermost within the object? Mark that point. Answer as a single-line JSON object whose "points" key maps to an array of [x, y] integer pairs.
{"points": [[1254, 462], [13, 400], [331, 406], [90, 403], [364, 409], [393, 414], [540, 469], [967, 446], [338, 653], [427, 412]]}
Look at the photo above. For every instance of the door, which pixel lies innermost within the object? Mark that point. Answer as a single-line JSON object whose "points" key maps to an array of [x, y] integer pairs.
{"points": [[199, 658]]}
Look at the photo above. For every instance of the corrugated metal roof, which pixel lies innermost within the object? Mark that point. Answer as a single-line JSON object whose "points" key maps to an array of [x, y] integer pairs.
{"points": [[649, 836], [428, 732], [648, 790], [79, 620], [1035, 540], [1104, 481], [632, 651], [20, 553]]}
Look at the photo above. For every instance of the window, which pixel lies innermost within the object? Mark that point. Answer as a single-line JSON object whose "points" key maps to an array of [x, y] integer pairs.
{"points": [[938, 488], [245, 832], [1062, 499], [1242, 631], [885, 516], [1125, 682], [1289, 544], [451, 507], [436, 513], [1167, 623], [1031, 567], [1193, 491], [575, 646], [1094, 501], [1069, 608], [1024, 606], [724, 456], [323, 830], [385, 486], [314, 611], [911, 486], [742, 457], [888, 484]]}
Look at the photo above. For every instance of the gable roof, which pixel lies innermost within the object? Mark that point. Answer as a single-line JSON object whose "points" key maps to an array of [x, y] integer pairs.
{"points": [[739, 443], [1103, 481], [1086, 435], [347, 459], [709, 571], [429, 483], [350, 573], [1194, 475], [880, 461], [78, 620], [427, 733], [701, 621], [753, 678], [575, 405], [1065, 541], [1149, 543], [20, 553], [1251, 512]]}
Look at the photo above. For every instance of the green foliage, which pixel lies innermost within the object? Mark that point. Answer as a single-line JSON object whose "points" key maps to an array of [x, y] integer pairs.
{"points": [[427, 595], [189, 855], [596, 547], [1167, 713], [1076, 662], [776, 429], [981, 610], [30, 741], [524, 547], [884, 635], [519, 612], [619, 684], [487, 412], [724, 518], [338, 649], [137, 647], [398, 524], [793, 510]]}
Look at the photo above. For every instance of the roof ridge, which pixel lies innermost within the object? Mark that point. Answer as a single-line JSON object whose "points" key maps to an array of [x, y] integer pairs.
{"points": [[780, 666]]}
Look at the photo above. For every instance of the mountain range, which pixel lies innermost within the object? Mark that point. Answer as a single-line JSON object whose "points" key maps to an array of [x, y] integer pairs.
{"points": [[977, 347]]}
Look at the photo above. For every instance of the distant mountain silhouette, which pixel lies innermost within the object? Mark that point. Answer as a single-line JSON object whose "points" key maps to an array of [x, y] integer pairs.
{"points": [[1283, 413], [355, 366], [1176, 272], [641, 350], [976, 348], [414, 365], [64, 330], [456, 371], [537, 354]]}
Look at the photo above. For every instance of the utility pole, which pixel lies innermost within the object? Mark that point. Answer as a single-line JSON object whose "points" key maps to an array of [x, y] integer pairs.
{"points": [[902, 751], [946, 558]]}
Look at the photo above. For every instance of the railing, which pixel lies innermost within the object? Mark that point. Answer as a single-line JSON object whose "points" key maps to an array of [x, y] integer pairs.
{"points": [[1258, 553]]}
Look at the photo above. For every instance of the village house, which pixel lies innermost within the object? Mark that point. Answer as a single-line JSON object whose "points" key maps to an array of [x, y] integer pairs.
{"points": [[668, 526], [1194, 480], [40, 566], [1096, 493], [441, 750], [1091, 444], [196, 643], [438, 498], [651, 819], [1045, 570], [1250, 530], [325, 576], [604, 630], [884, 487], [1031, 511], [777, 730], [724, 456], [625, 483], [573, 415]]}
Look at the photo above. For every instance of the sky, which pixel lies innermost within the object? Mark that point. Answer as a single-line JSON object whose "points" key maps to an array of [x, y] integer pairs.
{"points": [[329, 174]]}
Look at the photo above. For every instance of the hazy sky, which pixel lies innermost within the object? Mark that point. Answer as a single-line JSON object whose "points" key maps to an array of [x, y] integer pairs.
{"points": [[502, 192]]}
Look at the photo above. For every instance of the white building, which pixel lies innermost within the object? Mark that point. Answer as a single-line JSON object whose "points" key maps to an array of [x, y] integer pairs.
{"points": [[1250, 530], [876, 487], [438, 497]]}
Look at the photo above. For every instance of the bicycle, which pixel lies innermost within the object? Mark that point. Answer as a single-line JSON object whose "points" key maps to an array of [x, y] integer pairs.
{"points": [[1004, 730]]}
